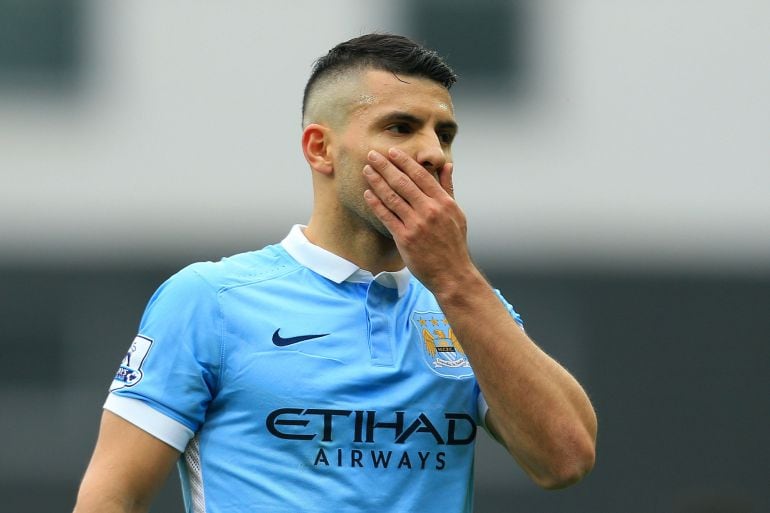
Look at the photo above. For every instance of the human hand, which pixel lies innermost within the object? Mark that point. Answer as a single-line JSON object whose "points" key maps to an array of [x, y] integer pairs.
{"points": [[419, 210]]}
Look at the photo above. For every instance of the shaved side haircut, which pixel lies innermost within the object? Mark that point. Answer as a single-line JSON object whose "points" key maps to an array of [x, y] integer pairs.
{"points": [[386, 52]]}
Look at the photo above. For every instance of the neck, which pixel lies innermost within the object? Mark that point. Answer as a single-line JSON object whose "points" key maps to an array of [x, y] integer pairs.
{"points": [[356, 241]]}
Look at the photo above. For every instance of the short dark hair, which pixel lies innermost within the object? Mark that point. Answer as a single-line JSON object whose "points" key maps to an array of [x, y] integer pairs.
{"points": [[386, 52]]}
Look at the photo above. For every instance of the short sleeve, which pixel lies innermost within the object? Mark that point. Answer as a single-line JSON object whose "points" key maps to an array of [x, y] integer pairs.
{"points": [[514, 313], [171, 370]]}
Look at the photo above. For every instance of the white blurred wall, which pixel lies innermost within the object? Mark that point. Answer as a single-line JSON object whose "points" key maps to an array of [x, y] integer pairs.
{"points": [[643, 140]]}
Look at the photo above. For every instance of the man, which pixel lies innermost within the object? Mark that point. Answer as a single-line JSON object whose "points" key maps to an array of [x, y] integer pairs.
{"points": [[348, 367]]}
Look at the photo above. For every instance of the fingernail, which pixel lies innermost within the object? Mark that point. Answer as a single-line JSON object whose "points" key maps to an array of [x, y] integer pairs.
{"points": [[368, 170], [374, 156]]}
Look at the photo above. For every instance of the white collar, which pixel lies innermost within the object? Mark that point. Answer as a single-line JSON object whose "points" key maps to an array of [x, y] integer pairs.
{"points": [[336, 268]]}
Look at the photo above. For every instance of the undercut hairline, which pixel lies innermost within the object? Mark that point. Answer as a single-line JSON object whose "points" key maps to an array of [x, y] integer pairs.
{"points": [[332, 81]]}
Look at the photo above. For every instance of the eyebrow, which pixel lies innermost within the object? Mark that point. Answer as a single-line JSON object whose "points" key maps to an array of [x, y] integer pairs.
{"points": [[411, 118]]}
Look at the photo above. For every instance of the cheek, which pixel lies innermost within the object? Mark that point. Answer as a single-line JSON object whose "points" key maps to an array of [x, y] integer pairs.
{"points": [[349, 168], [357, 147], [380, 143], [355, 152]]}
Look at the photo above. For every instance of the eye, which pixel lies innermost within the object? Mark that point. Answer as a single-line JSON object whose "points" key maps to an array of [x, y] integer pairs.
{"points": [[446, 137], [399, 128]]}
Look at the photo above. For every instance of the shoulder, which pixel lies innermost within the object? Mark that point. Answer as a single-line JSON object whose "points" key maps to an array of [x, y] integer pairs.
{"points": [[200, 285], [240, 269]]}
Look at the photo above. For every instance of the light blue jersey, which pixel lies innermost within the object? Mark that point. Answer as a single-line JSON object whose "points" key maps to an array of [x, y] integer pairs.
{"points": [[293, 381]]}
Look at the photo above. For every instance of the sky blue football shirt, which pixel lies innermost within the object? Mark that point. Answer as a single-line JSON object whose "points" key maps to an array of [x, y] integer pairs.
{"points": [[293, 381]]}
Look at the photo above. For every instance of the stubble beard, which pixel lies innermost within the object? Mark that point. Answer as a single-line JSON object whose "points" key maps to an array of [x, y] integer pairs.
{"points": [[351, 195]]}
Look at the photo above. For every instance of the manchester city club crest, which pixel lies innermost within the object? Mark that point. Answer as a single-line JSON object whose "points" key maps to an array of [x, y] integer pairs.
{"points": [[439, 347]]}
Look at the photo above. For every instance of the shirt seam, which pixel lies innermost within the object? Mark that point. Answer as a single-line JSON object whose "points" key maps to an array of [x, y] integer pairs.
{"points": [[276, 272], [219, 333]]}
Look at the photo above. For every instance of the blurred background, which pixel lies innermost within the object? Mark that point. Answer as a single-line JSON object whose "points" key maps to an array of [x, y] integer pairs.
{"points": [[613, 162]]}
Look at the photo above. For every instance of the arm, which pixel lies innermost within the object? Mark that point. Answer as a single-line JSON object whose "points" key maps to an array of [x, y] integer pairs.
{"points": [[127, 469], [537, 410]]}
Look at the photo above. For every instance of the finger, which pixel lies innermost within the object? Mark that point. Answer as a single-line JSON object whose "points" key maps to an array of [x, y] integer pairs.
{"points": [[445, 178], [383, 213], [421, 177], [397, 178], [387, 195]]}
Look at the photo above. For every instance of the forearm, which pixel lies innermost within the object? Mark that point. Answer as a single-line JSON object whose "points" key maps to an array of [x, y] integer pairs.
{"points": [[106, 505], [95, 497], [127, 469], [537, 409]]}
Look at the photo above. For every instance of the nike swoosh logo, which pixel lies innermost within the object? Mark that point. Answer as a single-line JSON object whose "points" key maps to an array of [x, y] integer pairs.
{"points": [[282, 342]]}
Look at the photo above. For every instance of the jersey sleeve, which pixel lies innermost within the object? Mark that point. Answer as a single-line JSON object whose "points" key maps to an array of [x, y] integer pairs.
{"points": [[511, 311], [481, 402], [171, 370]]}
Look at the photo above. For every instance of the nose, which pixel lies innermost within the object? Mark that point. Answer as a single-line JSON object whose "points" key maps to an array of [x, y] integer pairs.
{"points": [[430, 153]]}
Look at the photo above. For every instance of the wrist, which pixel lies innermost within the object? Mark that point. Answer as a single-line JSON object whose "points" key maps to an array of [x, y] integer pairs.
{"points": [[460, 289]]}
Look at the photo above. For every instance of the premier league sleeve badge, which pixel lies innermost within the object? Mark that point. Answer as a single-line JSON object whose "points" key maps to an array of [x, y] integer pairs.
{"points": [[130, 370]]}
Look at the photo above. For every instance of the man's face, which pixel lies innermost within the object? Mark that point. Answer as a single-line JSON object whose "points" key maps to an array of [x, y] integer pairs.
{"points": [[410, 113]]}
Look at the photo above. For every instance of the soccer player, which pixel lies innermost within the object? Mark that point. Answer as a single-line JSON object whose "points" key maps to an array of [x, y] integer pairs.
{"points": [[348, 367]]}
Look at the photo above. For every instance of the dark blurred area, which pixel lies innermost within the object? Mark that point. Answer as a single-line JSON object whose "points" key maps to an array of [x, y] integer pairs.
{"points": [[485, 41], [40, 44]]}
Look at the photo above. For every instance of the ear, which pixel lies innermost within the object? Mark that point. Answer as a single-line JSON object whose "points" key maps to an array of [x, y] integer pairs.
{"points": [[315, 146]]}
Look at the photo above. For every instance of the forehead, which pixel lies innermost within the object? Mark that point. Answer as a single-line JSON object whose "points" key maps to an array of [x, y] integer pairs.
{"points": [[378, 90]]}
